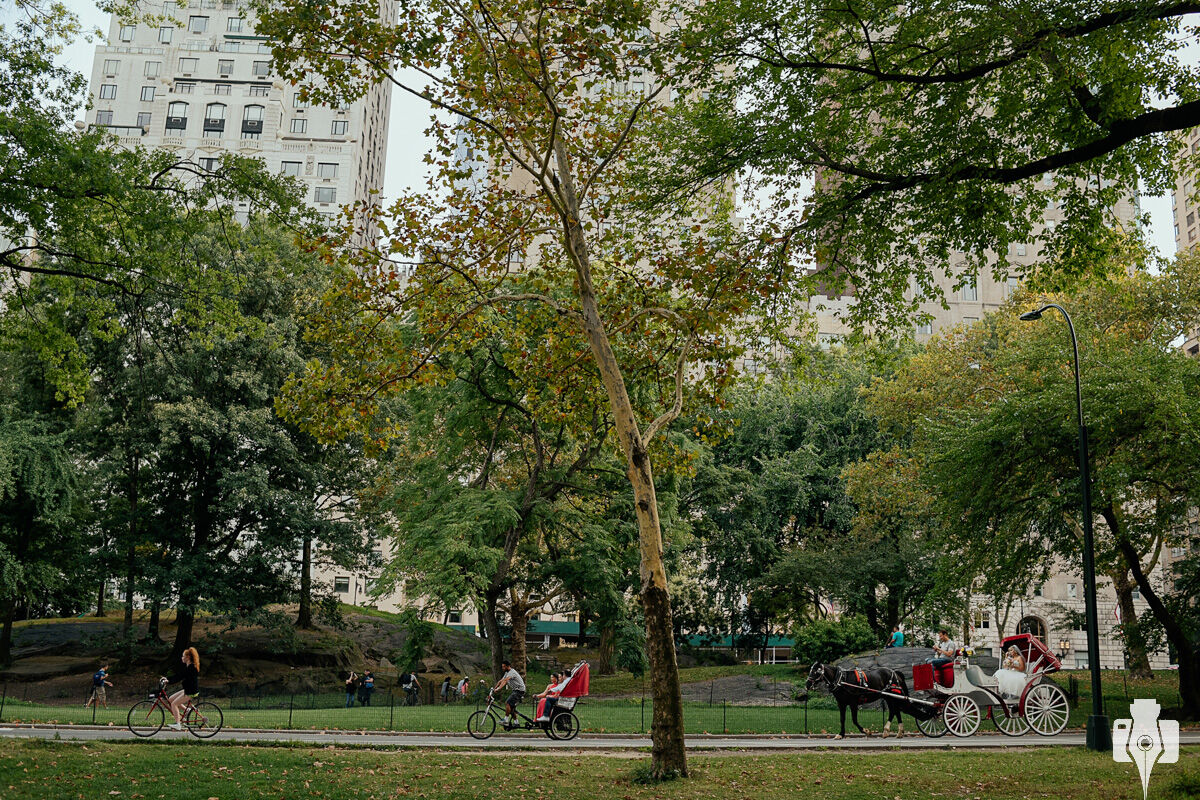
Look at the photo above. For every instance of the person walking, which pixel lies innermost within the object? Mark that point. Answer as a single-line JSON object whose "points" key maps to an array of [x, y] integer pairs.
{"points": [[351, 689], [100, 685], [446, 690], [411, 687]]}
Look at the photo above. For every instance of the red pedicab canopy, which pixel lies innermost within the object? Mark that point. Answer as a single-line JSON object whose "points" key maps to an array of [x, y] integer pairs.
{"points": [[577, 683], [1037, 656]]}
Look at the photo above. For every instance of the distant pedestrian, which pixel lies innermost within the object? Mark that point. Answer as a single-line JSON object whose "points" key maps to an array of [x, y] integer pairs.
{"points": [[100, 686], [366, 688], [464, 688], [351, 689], [446, 689], [411, 687]]}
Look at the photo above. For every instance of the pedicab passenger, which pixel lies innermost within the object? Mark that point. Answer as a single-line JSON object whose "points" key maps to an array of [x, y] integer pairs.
{"points": [[549, 697]]}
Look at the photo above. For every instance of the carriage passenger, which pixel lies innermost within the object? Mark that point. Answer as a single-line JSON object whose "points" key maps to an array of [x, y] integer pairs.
{"points": [[944, 650], [1010, 678]]}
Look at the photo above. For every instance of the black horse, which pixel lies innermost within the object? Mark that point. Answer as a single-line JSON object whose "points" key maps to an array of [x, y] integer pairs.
{"points": [[856, 687]]}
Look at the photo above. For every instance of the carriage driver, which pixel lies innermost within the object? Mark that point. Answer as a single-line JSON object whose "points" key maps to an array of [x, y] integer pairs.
{"points": [[944, 649], [515, 696]]}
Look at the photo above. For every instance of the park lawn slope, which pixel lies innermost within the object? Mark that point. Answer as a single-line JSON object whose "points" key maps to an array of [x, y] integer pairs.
{"points": [[36, 770]]}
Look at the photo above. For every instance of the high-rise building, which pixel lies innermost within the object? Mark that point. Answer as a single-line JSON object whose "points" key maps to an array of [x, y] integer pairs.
{"points": [[1185, 211], [199, 80]]}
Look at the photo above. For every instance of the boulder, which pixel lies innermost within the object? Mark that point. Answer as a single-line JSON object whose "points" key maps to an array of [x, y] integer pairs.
{"points": [[902, 659]]}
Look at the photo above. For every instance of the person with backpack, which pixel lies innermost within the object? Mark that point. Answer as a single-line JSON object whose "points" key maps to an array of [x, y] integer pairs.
{"points": [[411, 687], [100, 686]]}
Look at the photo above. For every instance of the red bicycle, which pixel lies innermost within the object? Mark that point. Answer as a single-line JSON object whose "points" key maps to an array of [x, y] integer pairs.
{"points": [[202, 719]]}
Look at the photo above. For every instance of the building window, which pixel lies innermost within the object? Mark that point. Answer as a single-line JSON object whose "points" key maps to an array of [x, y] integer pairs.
{"points": [[455, 617], [126, 33], [152, 69], [339, 127], [177, 116], [1191, 218], [104, 117], [970, 320], [299, 125], [290, 168], [147, 94], [970, 291], [1136, 593], [1010, 286], [234, 25], [925, 328], [165, 33], [341, 585], [1021, 249], [169, 8], [261, 68], [252, 122], [197, 24], [143, 119], [983, 619], [1081, 660], [258, 90], [108, 91], [222, 88], [1037, 592], [210, 164], [327, 170], [112, 66], [184, 87], [225, 66], [326, 194], [188, 65], [1071, 591], [214, 120], [298, 101], [231, 47]]}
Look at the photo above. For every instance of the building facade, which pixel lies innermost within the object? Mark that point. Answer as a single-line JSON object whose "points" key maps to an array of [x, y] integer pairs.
{"points": [[199, 81]]}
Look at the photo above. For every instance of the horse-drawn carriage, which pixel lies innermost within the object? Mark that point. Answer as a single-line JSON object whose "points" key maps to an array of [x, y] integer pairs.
{"points": [[958, 696], [963, 695]]}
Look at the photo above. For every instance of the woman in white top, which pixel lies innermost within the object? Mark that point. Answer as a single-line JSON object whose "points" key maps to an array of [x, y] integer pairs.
{"points": [[1010, 678], [553, 690]]}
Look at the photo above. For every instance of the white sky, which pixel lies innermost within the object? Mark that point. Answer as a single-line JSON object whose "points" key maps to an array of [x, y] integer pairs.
{"points": [[410, 116]]}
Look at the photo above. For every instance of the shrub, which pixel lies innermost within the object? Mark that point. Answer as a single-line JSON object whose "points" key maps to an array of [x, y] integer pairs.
{"points": [[827, 640]]}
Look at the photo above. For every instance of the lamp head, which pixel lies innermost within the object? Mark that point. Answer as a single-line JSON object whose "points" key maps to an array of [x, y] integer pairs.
{"points": [[1030, 316]]}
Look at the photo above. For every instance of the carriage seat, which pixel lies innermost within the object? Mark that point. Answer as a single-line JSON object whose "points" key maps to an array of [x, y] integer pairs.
{"points": [[976, 676]]}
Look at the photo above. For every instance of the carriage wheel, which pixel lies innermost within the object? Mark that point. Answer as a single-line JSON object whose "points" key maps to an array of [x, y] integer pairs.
{"points": [[933, 727], [1010, 724], [962, 714], [481, 725], [564, 726], [1046, 709]]}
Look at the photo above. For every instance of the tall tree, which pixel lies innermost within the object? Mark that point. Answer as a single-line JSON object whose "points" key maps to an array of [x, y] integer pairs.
{"points": [[933, 137], [997, 444], [530, 215]]}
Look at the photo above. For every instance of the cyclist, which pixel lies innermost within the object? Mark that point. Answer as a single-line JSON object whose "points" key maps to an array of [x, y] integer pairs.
{"points": [[188, 674], [511, 676]]}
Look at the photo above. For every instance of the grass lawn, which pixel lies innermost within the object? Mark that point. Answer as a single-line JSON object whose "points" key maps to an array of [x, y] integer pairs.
{"points": [[32, 770]]}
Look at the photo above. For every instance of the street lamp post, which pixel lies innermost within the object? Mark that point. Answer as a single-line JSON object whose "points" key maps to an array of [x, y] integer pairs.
{"points": [[1099, 735]]}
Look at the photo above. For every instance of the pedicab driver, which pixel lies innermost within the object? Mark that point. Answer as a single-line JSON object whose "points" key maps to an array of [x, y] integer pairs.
{"points": [[516, 684]]}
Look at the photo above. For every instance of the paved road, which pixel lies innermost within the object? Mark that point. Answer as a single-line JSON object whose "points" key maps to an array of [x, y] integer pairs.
{"points": [[519, 741]]}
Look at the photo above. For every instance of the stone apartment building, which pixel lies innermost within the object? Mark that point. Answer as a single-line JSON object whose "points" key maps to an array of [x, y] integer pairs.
{"points": [[199, 81]]}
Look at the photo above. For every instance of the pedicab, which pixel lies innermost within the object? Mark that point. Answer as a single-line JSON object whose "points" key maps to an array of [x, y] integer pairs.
{"points": [[560, 723]]}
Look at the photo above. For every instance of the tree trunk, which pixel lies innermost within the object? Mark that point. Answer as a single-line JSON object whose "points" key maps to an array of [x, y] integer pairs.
{"points": [[1185, 650], [127, 621], [871, 610], [1137, 661], [520, 624], [893, 610], [155, 616], [304, 618], [9, 612], [608, 641], [100, 597], [185, 617], [492, 627], [668, 756]]}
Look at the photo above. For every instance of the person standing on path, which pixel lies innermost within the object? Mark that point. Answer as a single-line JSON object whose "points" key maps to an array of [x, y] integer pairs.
{"points": [[351, 689], [367, 689]]}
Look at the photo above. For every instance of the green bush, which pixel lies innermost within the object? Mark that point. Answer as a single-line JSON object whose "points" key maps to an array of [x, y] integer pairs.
{"points": [[827, 640]]}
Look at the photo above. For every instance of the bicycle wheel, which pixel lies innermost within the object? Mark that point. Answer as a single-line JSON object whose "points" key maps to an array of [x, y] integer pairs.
{"points": [[481, 725], [564, 726], [146, 718], [204, 720]]}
